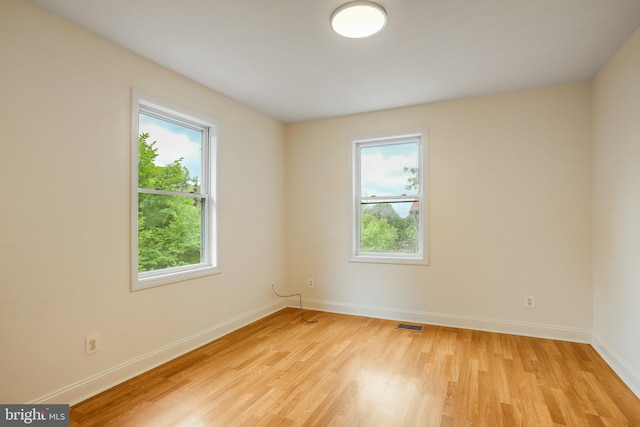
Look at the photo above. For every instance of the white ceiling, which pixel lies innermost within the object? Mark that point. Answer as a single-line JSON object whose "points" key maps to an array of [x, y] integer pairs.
{"points": [[281, 58]]}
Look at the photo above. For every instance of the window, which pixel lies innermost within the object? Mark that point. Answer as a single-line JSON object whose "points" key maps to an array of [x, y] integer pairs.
{"points": [[173, 196], [389, 208]]}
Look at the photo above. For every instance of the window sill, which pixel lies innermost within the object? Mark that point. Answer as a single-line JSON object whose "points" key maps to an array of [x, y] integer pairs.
{"points": [[386, 259], [168, 276]]}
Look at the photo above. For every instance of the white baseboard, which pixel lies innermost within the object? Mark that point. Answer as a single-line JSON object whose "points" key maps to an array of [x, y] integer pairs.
{"points": [[628, 374], [456, 321], [102, 381]]}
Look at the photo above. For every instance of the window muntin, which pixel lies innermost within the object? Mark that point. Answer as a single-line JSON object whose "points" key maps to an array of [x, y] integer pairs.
{"points": [[388, 213], [173, 214]]}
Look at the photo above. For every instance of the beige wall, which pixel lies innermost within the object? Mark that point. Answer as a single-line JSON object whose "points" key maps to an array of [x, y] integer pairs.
{"points": [[616, 219], [65, 109], [509, 214]]}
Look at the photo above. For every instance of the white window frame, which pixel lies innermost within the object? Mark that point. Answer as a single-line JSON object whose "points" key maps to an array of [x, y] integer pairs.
{"points": [[209, 262], [421, 257]]}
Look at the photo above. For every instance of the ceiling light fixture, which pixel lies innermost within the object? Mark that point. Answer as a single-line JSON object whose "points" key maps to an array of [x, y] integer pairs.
{"points": [[358, 19]]}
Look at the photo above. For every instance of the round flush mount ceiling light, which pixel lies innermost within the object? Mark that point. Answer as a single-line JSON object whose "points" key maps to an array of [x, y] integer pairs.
{"points": [[358, 19]]}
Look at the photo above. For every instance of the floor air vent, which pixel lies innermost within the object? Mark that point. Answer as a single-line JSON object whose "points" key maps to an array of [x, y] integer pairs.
{"points": [[408, 327]]}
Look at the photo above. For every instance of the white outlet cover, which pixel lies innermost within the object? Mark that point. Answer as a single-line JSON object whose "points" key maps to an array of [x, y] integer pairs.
{"points": [[92, 344], [529, 301]]}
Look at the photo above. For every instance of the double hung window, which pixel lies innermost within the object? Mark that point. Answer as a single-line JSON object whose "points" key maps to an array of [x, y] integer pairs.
{"points": [[388, 203], [173, 203]]}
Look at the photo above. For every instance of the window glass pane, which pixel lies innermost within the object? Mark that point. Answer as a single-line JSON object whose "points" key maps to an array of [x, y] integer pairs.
{"points": [[389, 170], [169, 231], [170, 155], [390, 227]]}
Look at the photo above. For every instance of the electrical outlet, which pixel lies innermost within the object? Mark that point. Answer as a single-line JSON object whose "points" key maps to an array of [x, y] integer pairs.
{"points": [[529, 301], [92, 344], [310, 283]]}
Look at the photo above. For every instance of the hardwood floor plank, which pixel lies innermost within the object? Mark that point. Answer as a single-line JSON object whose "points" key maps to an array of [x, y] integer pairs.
{"points": [[356, 371]]}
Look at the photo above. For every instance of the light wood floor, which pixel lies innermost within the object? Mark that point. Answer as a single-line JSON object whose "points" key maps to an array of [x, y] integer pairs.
{"points": [[356, 371]]}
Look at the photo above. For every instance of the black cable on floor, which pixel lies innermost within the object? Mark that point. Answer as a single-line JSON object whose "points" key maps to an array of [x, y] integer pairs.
{"points": [[273, 288]]}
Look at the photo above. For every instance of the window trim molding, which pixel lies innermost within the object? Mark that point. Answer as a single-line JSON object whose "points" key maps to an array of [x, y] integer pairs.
{"points": [[166, 276], [422, 258]]}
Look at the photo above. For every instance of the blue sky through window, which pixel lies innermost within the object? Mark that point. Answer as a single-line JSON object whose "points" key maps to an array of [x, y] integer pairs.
{"points": [[173, 142], [382, 169]]}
